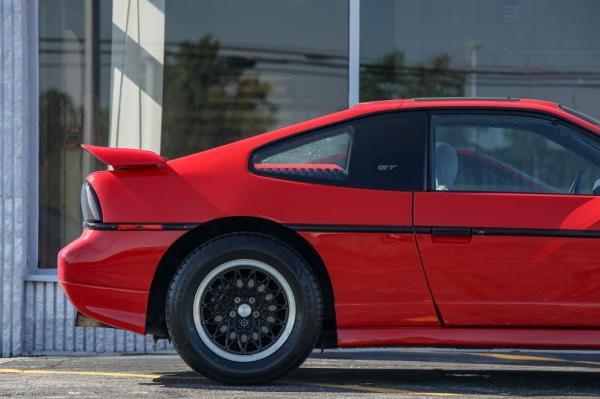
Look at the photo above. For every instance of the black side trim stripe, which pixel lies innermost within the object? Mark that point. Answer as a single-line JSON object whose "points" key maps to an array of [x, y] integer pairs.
{"points": [[536, 232], [99, 226], [451, 231], [181, 226], [500, 231], [447, 230], [344, 228], [140, 226]]}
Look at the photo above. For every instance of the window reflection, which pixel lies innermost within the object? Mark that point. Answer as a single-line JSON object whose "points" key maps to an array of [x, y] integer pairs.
{"points": [[211, 99], [496, 48], [175, 77], [389, 77], [62, 87], [234, 68]]}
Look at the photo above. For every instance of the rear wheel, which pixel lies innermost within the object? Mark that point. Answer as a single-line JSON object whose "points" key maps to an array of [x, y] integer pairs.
{"points": [[244, 309]]}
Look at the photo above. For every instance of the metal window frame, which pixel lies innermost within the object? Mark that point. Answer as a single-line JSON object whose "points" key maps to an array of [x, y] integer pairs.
{"points": [[353, 52], [33, 272]]}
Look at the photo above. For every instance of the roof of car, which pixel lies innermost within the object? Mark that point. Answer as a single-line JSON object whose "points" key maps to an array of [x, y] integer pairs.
{"points": [[425, 102], [466, 99], [475, 102]]}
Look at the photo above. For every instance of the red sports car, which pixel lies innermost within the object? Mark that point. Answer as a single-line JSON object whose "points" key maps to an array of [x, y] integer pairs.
{"points": [[459, 222]]}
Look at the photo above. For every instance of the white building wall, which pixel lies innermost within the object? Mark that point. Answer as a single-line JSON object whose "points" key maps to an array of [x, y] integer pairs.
{"points": [[15, 173]]}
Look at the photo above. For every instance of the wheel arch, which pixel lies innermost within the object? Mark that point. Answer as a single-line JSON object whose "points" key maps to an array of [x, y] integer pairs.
{"points": [[180, 249]]}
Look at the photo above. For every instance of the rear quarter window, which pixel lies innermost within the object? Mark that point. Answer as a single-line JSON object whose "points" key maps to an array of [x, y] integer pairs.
{"points": [[384, 151]]}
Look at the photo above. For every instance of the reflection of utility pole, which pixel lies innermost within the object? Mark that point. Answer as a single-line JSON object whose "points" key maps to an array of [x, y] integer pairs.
{"points": [[90, 87], [473, 46]]}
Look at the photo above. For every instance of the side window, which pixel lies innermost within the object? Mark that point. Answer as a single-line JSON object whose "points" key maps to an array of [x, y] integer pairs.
{"points": [[512, 153], [321, 156], [385, 151]]}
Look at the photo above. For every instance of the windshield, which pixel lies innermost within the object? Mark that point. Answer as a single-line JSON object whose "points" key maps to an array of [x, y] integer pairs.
{"points": [[581, 115]]}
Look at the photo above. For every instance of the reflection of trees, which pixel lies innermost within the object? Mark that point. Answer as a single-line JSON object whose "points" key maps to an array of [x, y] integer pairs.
{"points": [[390, 78], [57, 114], [210, 99], [61, 120]]}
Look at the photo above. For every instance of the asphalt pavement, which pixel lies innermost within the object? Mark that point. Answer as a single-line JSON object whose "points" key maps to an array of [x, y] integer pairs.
{"points": [[335, 374]]}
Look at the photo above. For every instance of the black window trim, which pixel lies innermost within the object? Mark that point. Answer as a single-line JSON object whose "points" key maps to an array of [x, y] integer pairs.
{"points": [[587, 118], [496, 111], [320, 129]]}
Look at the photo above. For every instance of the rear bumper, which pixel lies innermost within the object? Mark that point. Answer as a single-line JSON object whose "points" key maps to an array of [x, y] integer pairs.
{"points": [[107, 275], [115, 307]]}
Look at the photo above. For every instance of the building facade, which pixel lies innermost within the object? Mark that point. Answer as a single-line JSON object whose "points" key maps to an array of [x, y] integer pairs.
{"points": [[181, 76]]}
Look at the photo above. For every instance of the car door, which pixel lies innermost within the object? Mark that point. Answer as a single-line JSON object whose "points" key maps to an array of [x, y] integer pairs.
{"points": [[509, 230]]}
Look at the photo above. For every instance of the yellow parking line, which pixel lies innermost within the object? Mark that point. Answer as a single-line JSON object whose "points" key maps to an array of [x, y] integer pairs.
{"points": [[93, 373], [505, 356], [373, 389], [101, 374]]}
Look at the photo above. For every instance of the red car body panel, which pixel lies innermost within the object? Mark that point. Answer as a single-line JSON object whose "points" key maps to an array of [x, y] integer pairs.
{"points": [[212, 190], [116, 307], [535, 338], [108, 274], [512, 280], [350, 259], [503, 210]]}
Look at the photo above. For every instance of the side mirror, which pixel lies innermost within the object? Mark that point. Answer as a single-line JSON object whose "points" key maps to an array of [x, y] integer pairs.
{"points": [[596, 187]]}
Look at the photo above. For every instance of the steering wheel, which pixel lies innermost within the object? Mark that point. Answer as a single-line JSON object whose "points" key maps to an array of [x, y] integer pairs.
{"points": [[577, 184]]}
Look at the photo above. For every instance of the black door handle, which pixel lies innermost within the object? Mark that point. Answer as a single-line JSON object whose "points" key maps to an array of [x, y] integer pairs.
{"points": [[451, 231]]}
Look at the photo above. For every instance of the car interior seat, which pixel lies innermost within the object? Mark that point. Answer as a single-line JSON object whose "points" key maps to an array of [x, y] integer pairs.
{"points": [[446, 166]]}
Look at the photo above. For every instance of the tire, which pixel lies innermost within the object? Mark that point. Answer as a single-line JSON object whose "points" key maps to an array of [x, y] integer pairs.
{"points": [[255, 286]]}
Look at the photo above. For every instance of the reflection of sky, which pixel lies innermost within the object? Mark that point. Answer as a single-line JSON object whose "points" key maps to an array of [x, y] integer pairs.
{"points": [[291, 32], [542, 30], [287, 38], [559, 39], [550, 48], [61, 63], [305, 25]]}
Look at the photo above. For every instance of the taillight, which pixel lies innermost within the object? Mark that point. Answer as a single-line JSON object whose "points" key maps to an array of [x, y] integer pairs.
{"points": [[90, 206]]}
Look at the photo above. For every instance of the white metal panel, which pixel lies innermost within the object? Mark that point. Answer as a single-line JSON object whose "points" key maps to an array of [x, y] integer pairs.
{"points": [[15, 130], [353, 52], [50, 327], [137, 75]]}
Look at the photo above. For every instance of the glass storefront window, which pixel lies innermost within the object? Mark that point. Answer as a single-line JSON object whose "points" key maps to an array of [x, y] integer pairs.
{"points": [[64, 75], [238, 68], [516, 48], [174, 77], [182, 76]]}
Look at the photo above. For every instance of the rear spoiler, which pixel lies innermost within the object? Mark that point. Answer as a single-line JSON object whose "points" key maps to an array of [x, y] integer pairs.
{"points": [[125, 158]]}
